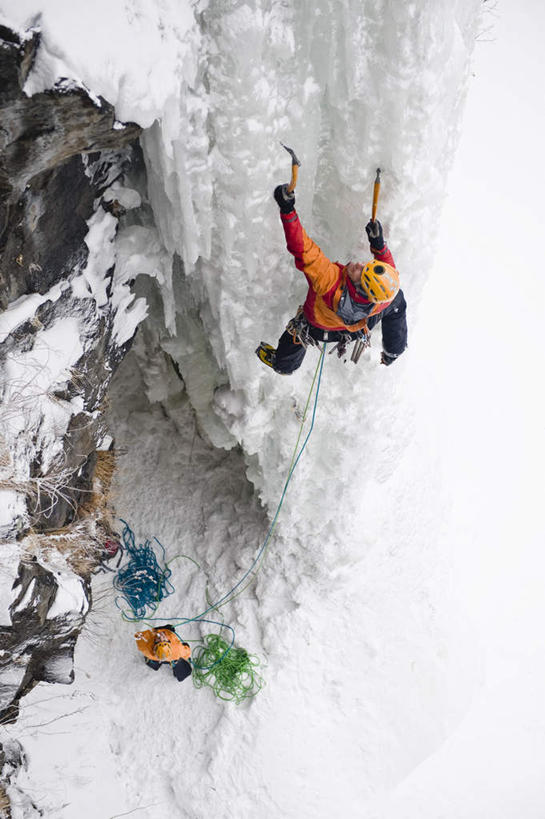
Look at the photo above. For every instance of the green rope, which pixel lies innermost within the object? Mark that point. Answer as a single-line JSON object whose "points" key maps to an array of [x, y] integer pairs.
{"points": [[231, 673], [297, 452]]}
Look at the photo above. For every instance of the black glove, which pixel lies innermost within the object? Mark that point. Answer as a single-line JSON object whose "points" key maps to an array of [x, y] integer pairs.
{"points": [[387, 359], [284, 199], [374, 234], [181, 670]]}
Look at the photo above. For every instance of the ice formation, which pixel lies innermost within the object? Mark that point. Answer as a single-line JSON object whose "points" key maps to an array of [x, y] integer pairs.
{"points": [[352, 607]]}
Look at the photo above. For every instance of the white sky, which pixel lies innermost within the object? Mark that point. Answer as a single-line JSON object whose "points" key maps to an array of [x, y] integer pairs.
{"points": [[480, 331], [481, 326]]}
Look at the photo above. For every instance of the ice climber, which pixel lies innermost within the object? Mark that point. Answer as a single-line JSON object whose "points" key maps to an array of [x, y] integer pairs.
{"points": [[162, 646], [344, 302]]}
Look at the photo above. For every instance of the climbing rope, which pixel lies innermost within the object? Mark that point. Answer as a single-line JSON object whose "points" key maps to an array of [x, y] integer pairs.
{"points": [[258, 560], [142, 583], [229, 671]]}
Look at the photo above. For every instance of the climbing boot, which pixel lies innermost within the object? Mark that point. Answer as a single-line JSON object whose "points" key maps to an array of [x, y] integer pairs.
{"points": [[266, 353]]}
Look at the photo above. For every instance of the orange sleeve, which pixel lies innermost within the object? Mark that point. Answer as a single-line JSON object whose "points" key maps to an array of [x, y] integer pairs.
{"points": [[320, 271], [144, 642]]}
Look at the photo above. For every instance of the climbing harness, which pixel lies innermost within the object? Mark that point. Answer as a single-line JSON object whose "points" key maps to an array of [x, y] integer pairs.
{"points": [[299, 329]]}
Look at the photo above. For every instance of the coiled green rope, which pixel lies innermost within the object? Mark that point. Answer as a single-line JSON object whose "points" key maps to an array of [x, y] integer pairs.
{"points": [[230, 672]]}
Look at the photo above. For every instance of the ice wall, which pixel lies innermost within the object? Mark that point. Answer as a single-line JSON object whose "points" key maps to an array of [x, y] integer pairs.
{"points": [[350, 87], [353, 607]]}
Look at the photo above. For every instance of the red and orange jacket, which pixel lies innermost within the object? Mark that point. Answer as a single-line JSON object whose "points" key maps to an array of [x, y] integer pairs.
{"points": [[145, 640], [326, 279]]}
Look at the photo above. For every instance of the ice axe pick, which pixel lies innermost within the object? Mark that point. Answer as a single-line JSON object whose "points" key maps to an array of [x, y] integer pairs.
{"points": [[295, 165]]}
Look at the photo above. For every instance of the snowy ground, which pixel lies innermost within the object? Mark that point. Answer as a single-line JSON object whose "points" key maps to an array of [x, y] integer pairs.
{"points": [[371, 694], [372, 661], [133, 732]]}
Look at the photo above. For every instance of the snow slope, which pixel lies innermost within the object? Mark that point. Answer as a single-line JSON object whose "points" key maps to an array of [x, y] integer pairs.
{"points": [[353, 608]]}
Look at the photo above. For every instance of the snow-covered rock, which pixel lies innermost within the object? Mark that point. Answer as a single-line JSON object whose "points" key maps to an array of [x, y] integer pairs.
{"points": [[68, 317]]}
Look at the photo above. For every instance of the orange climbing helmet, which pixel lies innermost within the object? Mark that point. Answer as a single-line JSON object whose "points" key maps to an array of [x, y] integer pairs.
{"points": [[162, 649], [162, 644], [379, 282]]}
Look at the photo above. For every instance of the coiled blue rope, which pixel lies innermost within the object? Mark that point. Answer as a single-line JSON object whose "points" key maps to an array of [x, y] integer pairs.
{"points": [[142, 582]]}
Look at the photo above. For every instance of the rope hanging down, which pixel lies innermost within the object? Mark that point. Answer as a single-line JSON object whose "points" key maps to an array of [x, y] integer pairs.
{"points": [[258, 560], [229, 670]]}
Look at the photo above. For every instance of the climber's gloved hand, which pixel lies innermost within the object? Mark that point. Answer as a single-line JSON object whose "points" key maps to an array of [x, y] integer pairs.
{"points": [[387, 359], [284, 199], [374, 234]]}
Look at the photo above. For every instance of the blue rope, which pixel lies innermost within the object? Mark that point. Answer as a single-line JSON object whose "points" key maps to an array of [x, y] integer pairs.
{"points": [[142, 582], [228, 596]]}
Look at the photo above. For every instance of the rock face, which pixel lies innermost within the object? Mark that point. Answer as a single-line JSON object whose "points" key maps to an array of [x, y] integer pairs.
{"points": [[61, 309], [45, 194]]}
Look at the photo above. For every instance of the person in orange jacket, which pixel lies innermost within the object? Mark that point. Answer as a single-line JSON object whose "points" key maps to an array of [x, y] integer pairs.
{"points": [[162, 646], [344, 302]]}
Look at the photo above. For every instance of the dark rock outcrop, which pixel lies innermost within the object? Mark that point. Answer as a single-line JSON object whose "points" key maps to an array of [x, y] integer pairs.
{"points": [[46, 196], [59, 152]]}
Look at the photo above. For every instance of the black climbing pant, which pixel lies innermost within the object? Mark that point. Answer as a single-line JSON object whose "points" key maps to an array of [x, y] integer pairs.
{"points": [[289, 355]]}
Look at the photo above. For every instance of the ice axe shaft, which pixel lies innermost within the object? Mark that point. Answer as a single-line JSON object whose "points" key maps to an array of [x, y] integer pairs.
{"points": [[376, 191], [295, 164]]}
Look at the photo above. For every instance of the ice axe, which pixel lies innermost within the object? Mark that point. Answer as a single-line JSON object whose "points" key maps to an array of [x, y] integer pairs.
{"points": [[360, 345], [295, 165], [376, 191]]}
